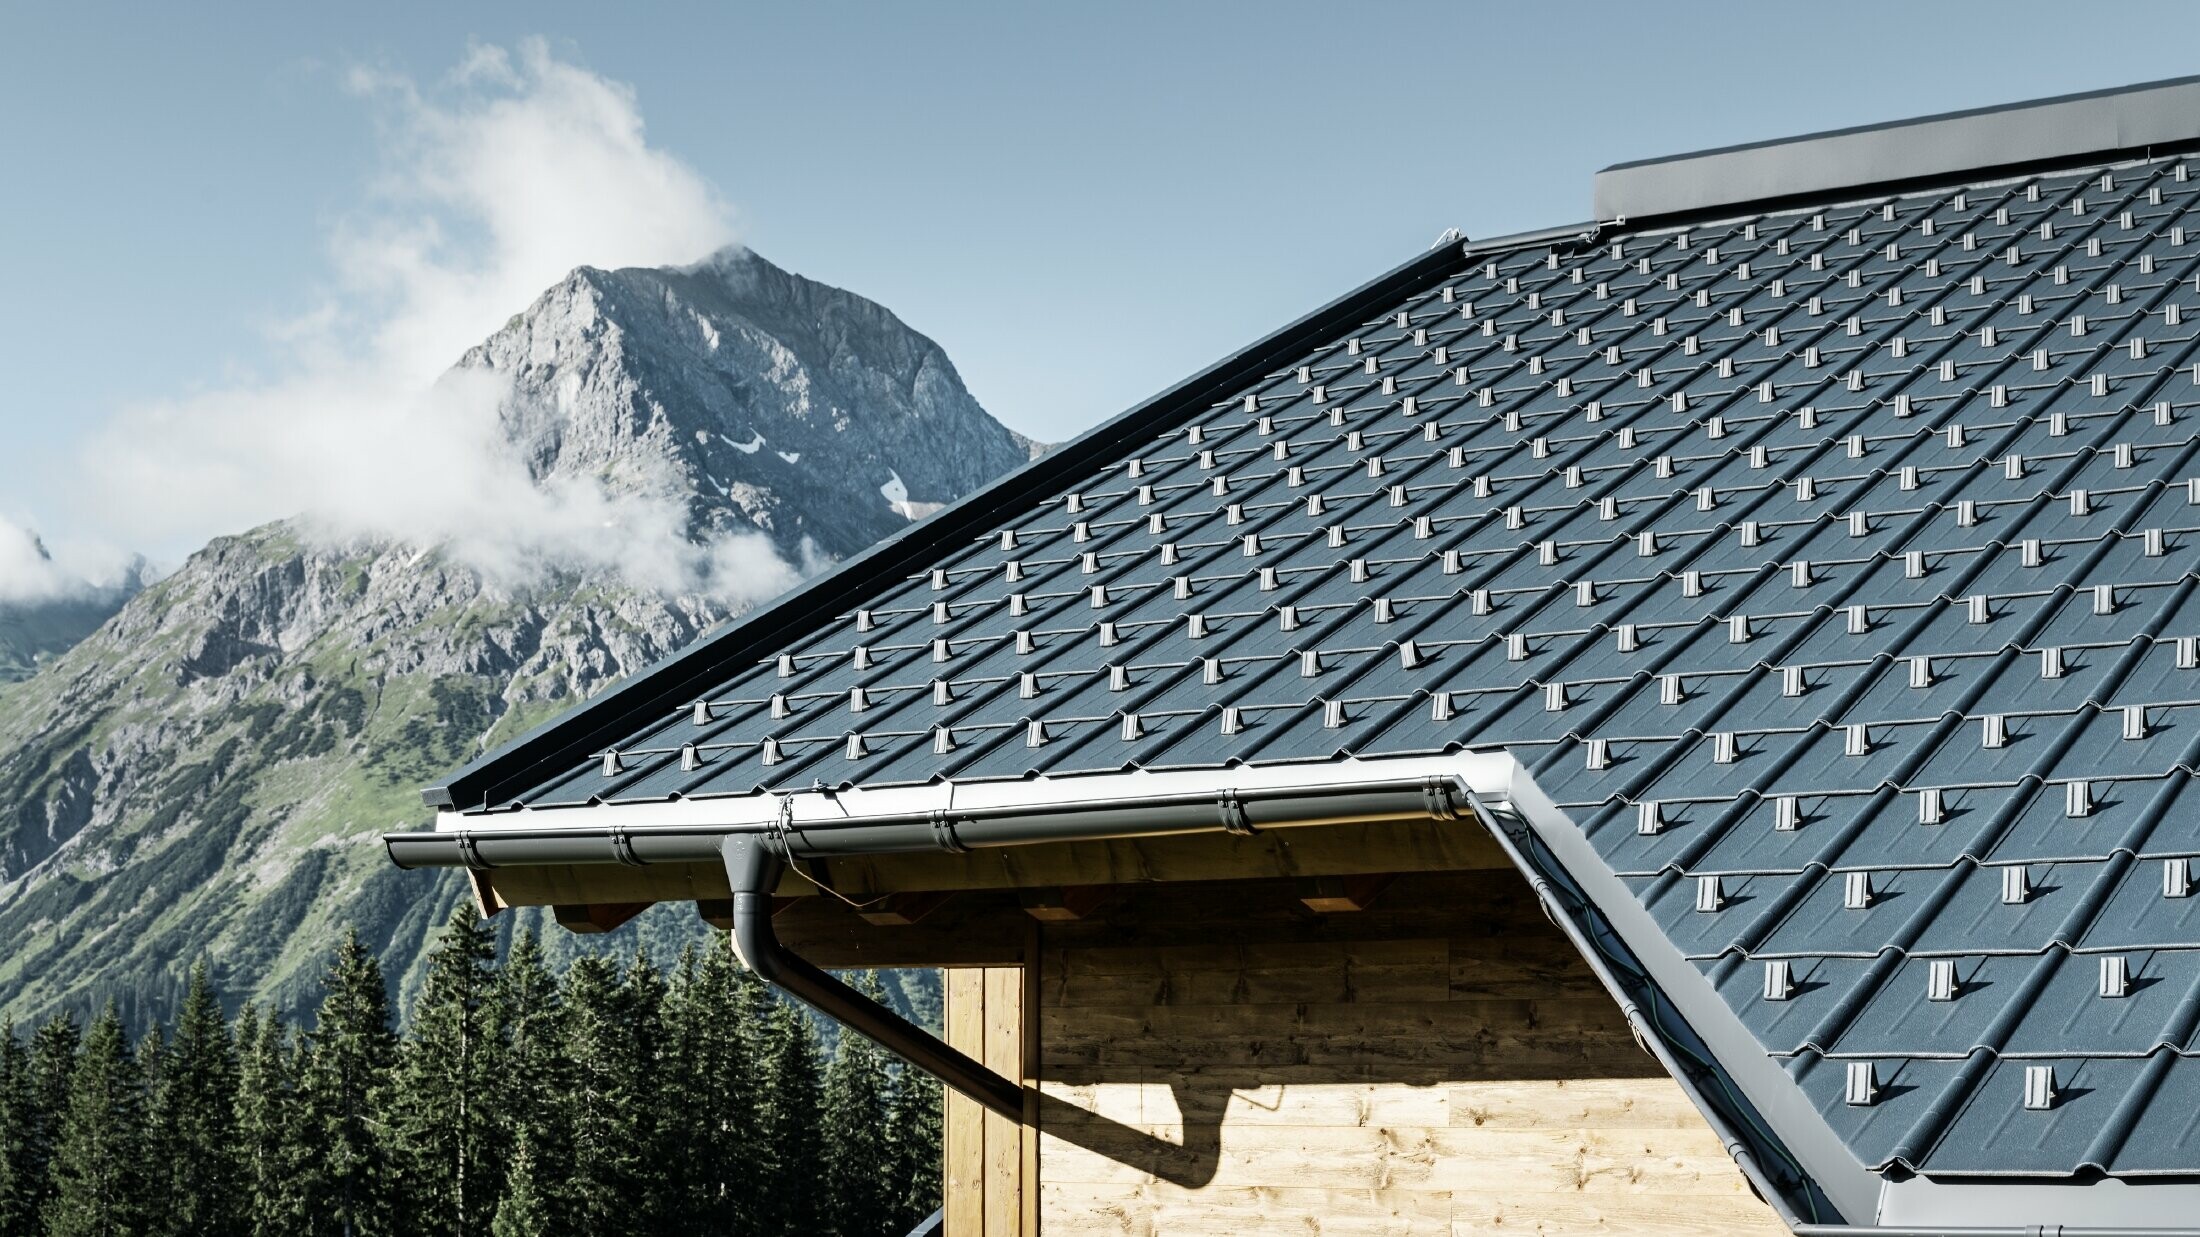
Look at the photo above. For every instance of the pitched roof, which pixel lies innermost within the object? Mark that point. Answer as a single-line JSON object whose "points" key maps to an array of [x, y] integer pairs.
{"points": [[1832, 567]]}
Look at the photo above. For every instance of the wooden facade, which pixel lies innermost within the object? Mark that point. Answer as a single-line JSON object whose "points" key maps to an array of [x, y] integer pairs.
{"points": [[1220, 1058]]}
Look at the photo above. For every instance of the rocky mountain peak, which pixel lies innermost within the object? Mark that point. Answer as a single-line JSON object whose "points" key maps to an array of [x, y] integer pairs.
{"points": [[760, 398]]}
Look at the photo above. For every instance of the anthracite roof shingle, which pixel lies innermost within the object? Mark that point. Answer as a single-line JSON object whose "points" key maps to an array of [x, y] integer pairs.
{"points": [[1861, 534]]}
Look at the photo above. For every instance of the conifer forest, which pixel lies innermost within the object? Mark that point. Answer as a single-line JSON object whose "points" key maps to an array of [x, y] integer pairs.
{"points": [[518, 1101]]}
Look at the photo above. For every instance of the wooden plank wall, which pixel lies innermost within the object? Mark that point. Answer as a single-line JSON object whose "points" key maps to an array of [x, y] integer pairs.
{"points": [[1218, 1059], [990, 1160]]}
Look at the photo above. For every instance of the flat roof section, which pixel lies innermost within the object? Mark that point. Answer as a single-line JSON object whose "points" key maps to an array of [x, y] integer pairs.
{"points": [[2101, 122]]}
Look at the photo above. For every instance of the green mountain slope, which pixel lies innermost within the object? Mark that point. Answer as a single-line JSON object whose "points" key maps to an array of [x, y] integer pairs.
{"points": [[207, 774]]}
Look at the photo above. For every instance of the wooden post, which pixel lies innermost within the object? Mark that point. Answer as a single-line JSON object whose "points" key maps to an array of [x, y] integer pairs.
{"points": [[991, 1161]]}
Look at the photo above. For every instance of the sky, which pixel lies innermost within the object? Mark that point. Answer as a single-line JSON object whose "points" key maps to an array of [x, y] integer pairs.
{"points": [[235, 244]]}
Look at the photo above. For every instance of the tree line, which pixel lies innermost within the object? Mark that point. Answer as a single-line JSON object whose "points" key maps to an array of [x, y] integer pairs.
{"points": [[519, 1102]]}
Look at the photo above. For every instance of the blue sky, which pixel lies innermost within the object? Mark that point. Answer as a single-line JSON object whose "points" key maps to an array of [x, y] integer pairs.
{"points": [[1081, 205]]}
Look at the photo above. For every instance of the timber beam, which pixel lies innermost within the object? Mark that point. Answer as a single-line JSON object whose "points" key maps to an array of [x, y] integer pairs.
{"points": [[899, 910], [1065, 903], [1331, 895], [596, 917]]}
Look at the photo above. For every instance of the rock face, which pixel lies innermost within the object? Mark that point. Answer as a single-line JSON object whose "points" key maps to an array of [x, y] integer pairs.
{"points": [[762, 399], [206, 774]]}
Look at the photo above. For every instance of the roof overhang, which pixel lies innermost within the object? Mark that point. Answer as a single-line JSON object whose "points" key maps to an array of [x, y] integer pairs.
{"points": [[2099, 123], [1794, 1159], [1488, 787]]}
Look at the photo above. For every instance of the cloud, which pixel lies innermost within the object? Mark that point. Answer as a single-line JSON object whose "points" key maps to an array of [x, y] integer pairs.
{"points": [[26, 572], [30, 574], [493, 183]]}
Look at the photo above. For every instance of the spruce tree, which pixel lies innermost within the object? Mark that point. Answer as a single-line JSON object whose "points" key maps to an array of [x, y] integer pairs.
{"points": [[857, 1156], [151, 1056], [18, 1098], [712, 1055], [605, 1121], [345, 1078], [443, 1143], [521, 1210], [270, 1152], [99, 1169], [527, 1012], [790, 1196], [660, 1119], [53, 1054], [918, 1170], [194, 1121]]}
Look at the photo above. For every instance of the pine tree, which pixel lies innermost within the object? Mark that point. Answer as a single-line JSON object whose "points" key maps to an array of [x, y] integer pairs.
{"points": [[193, 1120], [269, 1151], [917, 1168], [605, 1121], [99, 1169], [18, 1098], [527, 1012], [658, 1120], [151, 1056], [789, 1197], [53, 1053], [712, 1054], [345, 1078], [857, 1155], [443, 1144], [521, 1211]]}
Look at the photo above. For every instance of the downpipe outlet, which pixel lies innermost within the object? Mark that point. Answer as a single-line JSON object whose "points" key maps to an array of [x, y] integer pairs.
{"points": [[753, 869]]}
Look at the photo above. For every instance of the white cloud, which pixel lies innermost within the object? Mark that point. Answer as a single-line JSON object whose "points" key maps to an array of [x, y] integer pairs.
{"points": [[494, 183], [26, 573], [29, 574]]}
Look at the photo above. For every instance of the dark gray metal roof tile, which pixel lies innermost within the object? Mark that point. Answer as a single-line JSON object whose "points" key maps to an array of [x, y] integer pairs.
{"points": [[1994, 1134], [1903, 1017]]}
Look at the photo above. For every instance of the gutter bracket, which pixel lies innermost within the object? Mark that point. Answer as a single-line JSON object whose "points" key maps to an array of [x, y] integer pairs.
{"points": [[622, 848], [943, 833], [753, 868], [468, 855], [1231, 810], [1436, 795]]}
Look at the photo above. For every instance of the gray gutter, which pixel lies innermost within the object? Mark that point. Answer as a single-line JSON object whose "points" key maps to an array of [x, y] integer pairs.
{"points": [[792, 836], [753, 835]]}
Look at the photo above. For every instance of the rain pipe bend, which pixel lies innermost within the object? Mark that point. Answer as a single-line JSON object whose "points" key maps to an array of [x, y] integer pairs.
{"points": [[753, 870]]}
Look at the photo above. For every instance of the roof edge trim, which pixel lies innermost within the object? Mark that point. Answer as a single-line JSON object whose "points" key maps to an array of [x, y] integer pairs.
{"points": [[1457, 787], [2121, 120], [673, 683]]}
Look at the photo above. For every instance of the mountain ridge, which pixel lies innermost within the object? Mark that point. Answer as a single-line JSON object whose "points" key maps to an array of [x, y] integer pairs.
{"points": [[207, 772]]}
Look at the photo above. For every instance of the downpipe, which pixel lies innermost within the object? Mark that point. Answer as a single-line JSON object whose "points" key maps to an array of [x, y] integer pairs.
{"points": [[754, 871]]}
